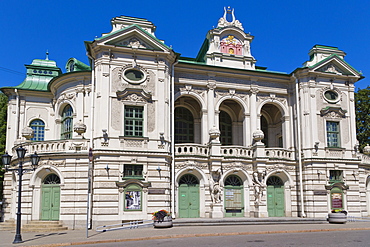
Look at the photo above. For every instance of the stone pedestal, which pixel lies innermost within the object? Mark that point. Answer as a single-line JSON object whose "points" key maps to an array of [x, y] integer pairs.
{"points": [[217, 211], [261, 211]]}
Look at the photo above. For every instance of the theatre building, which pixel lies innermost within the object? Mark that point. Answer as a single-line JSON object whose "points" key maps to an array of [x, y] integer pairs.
{"points": [[142, 128]]}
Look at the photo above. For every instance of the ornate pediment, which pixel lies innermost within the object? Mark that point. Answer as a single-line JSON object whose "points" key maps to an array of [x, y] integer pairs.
{"points": [[134, 42], [134, 37], [333, 112], [331, 68], [335, 65], [134, 95]]}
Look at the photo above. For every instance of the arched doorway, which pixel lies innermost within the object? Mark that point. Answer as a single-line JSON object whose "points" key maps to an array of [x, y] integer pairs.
{"points": [[188, 196], [234, 196], [275, 197], [50, 197]]}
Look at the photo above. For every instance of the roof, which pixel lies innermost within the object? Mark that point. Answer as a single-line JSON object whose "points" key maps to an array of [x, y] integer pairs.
{"points": [[39, 73]]}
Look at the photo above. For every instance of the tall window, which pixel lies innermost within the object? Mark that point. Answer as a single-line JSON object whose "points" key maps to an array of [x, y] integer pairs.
{"points": [[67, 123], [332, 134], [38, 127], [184, 126], [134, 121], [226, 136]]}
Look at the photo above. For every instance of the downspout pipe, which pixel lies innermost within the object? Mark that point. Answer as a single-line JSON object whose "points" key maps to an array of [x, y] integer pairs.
{"points": [[92, 112], [299, 148], [18, 115], [172, 129]]}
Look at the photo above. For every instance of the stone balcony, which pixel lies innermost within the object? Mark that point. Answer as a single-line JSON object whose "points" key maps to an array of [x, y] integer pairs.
{"points": [[55, 146], [198, 150]]}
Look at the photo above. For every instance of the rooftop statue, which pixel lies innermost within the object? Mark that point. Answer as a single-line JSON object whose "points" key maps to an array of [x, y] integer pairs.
{"points": [[223, 22]]}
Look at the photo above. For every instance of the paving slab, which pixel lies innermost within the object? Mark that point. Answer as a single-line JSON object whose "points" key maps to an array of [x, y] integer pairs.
{"points": [[78, 237]]}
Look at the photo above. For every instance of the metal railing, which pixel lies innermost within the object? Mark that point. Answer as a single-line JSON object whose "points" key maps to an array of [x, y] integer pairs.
{"points": [[357, 219], [127, 225]]}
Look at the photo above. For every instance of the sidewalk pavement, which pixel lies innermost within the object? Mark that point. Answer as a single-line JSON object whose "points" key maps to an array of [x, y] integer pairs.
{"points": [[78, 237]]}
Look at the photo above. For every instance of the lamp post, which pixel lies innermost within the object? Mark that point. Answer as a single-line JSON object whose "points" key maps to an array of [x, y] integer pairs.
{"points": [[6, 158]]}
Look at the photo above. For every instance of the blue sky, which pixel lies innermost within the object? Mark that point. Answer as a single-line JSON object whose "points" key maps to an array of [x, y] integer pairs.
{"points": [[284, 30]]}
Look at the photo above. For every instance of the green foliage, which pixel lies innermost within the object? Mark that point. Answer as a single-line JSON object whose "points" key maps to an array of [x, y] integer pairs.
{"points": [[3, 120], [362, 104]]}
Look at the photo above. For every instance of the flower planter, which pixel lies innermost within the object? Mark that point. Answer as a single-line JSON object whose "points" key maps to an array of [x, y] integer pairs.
{"points": [[337, 218], [165, 223]]}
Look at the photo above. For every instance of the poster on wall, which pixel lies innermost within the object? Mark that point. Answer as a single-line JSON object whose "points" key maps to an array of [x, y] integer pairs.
{"points": [[336, 200], [133, 200]]}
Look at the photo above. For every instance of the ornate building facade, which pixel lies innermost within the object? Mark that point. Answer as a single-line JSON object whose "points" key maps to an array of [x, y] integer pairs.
{"points": [[144, 129]]}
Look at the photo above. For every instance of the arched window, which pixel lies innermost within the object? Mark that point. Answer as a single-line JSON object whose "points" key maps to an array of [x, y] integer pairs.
{"points": [[189, 180], [67, 123], [38, 127], [51, 179], [275, 181], [184, 126], [226, 136]]}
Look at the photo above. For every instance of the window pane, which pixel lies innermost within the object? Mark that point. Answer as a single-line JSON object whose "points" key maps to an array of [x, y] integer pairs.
{"points": [[133, 121], [38, 127], [225, 128], [332, 129], [67, 123], [184, 126]]}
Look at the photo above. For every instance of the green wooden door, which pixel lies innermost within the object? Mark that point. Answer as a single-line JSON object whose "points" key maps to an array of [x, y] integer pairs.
{"points": [[188, 197], [50, 203], [50, 197], [275, 197]]}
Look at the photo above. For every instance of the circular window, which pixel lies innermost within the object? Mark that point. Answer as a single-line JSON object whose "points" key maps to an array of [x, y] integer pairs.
{"points": [[134, 76], [331, 96]]}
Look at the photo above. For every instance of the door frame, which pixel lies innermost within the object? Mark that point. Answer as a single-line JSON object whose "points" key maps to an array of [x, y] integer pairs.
{"points": [[190, 169], [36, 180]]}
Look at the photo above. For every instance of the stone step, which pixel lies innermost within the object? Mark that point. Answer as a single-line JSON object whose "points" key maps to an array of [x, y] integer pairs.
{"points": [[41, 229], [7, 225], [34, 226], [43, 226]]}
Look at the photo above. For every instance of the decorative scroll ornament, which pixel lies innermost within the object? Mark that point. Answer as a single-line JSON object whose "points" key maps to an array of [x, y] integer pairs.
{"points": [[222, 22], [333, 112]]}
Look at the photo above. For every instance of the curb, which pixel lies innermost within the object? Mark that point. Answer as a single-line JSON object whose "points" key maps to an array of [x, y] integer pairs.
{"points": [[195, 235]]}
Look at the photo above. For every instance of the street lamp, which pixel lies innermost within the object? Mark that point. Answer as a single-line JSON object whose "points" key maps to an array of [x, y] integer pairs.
{"points": [[6, 158]]}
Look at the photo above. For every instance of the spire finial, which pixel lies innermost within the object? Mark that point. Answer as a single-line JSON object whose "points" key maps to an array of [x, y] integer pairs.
{"points": [[47, 55]]}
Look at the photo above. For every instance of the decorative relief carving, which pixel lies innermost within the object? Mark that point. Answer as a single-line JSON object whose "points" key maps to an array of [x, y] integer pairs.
{"points": [[66, 96], [151, 117], [52, 163], [194, 164], [237, 165], [280, 167], [272, 98], [331, 68], [134, 43]]}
